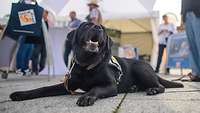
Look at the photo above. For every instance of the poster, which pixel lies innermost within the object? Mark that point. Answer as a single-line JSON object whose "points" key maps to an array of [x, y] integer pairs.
{"points": [[178, 51], [27, 17], [127, 51]]}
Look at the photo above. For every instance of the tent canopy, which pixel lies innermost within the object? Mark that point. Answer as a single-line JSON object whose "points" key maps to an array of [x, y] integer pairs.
{"points": [[110, 8], [123, 15]]}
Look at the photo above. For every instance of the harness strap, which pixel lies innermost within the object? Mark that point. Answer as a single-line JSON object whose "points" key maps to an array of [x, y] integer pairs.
{"points": [[67, 77], [113, 61]]}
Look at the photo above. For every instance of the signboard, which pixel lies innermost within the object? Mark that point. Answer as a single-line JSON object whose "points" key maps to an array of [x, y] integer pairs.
{"points": [[128, 51], [178, 51]]}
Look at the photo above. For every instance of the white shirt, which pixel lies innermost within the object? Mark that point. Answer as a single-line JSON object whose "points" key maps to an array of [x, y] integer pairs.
{"points": [[29, 2], [169, 29], [95, 14]]}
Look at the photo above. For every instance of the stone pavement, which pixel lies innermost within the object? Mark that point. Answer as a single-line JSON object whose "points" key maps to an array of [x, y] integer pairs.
{"points": [[173, 101]]}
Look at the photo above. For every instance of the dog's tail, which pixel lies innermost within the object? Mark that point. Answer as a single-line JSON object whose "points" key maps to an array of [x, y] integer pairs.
{"points": [[170, 84]]}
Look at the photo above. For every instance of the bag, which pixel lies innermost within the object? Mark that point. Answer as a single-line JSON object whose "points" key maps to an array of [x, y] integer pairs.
{"points": [[25, 19]]}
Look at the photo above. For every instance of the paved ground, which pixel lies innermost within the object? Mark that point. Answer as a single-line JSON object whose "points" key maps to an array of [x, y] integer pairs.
{"points": [[173, 101]]}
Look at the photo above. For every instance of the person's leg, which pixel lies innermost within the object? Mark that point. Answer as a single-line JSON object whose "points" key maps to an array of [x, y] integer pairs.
{"points": [[160, 54], [24, 59], [167, 69], [192, 25], [18, 57], [43, 57], [67, 52], [35, 58]]}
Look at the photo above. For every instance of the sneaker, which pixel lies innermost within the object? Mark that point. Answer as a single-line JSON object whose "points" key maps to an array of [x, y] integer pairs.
{"points": [[34, 73], [27, 72], [19, 72]]}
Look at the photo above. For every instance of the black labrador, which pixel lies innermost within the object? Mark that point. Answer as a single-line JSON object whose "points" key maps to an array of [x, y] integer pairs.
{"points": [[93, 72]]}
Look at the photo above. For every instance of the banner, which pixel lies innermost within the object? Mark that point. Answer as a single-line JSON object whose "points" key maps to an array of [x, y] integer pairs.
{"points": [[25, 19], [178, 51]]}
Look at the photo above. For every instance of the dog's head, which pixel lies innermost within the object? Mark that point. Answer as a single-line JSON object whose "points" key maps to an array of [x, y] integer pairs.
{"points": [[91, 44]]}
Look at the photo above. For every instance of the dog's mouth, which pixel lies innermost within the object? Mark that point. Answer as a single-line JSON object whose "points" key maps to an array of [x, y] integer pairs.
{"points": [[91, 46]]}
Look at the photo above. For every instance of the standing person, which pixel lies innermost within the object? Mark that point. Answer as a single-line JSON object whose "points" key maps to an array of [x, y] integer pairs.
{"points": [[39, 53], [23, 56], [165, 30], [94, 13], [72, 25], [24, 52], [191, 19]]}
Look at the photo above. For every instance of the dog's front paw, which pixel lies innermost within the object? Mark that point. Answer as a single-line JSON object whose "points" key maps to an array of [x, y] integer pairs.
{"points": [[86, 100], [154, 91], [18, 96]]}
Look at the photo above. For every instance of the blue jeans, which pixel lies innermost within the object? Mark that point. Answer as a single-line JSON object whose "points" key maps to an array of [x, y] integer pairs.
{"points": [[192, 25], [23, 55]]}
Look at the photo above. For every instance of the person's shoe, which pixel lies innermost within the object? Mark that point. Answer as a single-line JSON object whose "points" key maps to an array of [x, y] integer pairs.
{"points": [[156, 71], [35, 73], [27, 72], [166, 73], [194, 78], [19, 72], [41, 69]]}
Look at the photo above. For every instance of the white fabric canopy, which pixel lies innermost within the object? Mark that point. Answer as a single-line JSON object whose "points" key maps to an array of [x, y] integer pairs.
{"points": [[111, 9]]}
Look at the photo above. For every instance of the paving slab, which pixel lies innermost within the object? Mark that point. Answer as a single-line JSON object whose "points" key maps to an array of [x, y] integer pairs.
{"points": [[178, 100]]}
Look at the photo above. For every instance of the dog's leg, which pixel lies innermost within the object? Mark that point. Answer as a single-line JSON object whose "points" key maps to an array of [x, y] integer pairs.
{"points": [[54, 90], [148, 79], [96, 93]]}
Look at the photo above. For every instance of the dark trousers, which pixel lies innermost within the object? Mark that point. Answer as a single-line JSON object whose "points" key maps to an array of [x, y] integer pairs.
{"points": [[38, 57], [160, 55], [67, 51]]}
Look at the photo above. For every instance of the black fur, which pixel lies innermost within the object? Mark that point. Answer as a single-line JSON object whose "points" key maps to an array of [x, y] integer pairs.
{"points": [[101, 80]]}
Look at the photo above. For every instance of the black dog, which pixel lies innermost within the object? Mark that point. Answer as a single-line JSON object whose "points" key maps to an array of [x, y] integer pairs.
{"points": [[93, 72]]}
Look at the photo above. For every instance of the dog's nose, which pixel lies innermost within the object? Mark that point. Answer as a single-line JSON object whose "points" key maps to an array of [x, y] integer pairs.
{"points": [[92, 46]]}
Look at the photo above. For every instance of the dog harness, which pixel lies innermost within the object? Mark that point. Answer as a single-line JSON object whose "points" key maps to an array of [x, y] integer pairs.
{"points": [[113, 62], [67, 77]]}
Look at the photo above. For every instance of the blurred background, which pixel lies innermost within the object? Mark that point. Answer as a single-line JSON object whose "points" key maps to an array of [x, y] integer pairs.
{"points": [[130, 23]]}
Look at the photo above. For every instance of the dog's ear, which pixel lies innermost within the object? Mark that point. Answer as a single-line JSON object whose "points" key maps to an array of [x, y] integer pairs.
{"points": [[75, 32], [109, 43], [70, 35]]}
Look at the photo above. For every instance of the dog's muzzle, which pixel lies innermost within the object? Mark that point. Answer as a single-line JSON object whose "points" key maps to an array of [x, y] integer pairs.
{"points": [[92, 46]]}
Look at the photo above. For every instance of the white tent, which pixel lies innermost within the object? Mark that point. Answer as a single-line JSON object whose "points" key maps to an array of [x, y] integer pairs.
{"points": [[114, 10], [111, 10]]}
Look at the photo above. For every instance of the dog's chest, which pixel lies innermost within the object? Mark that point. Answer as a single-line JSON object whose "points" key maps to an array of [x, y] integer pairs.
{"points": [[90, 81]]}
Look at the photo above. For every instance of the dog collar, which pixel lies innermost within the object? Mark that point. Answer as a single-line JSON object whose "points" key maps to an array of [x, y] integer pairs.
{"points": [[91, 66]]}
